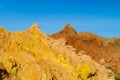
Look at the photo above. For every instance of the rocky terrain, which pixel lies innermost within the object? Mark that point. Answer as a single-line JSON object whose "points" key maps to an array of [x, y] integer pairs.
{"points": [[99, 48], [33, 55]]}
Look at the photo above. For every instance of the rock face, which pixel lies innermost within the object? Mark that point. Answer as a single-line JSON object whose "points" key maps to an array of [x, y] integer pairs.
{"points": [[32, 55], [99, 48]]}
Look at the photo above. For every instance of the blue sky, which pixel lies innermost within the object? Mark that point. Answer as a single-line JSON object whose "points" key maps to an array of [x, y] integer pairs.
{"points": [[98, 16]]}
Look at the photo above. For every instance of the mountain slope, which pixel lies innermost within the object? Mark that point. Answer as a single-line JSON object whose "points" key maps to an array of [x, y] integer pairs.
{"points": [[99, 48], [32, 55]]}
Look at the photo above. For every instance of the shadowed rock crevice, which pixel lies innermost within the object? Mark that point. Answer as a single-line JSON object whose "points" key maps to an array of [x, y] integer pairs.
{"points": [[3, 74]]}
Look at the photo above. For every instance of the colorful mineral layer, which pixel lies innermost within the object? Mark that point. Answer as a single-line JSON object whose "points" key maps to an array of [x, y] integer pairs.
{"points": [[66, 55]]}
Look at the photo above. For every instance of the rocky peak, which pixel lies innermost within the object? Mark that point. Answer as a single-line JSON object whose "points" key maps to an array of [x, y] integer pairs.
{"points": [[70, 28], [35, 28]]}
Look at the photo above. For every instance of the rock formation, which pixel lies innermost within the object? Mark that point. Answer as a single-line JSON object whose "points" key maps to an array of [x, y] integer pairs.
{"points": [[99, 48], [32, 55]]}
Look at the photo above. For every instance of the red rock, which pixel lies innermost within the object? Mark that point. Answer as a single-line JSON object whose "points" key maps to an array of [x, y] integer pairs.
{"points": [[96, 46]]}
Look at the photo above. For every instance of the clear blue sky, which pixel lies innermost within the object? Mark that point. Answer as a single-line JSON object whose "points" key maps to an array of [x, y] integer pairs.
{"points": [[98, 16]]}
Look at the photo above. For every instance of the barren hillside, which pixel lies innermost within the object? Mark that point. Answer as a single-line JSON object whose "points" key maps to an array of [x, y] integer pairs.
{"points": [[97, 47]]}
